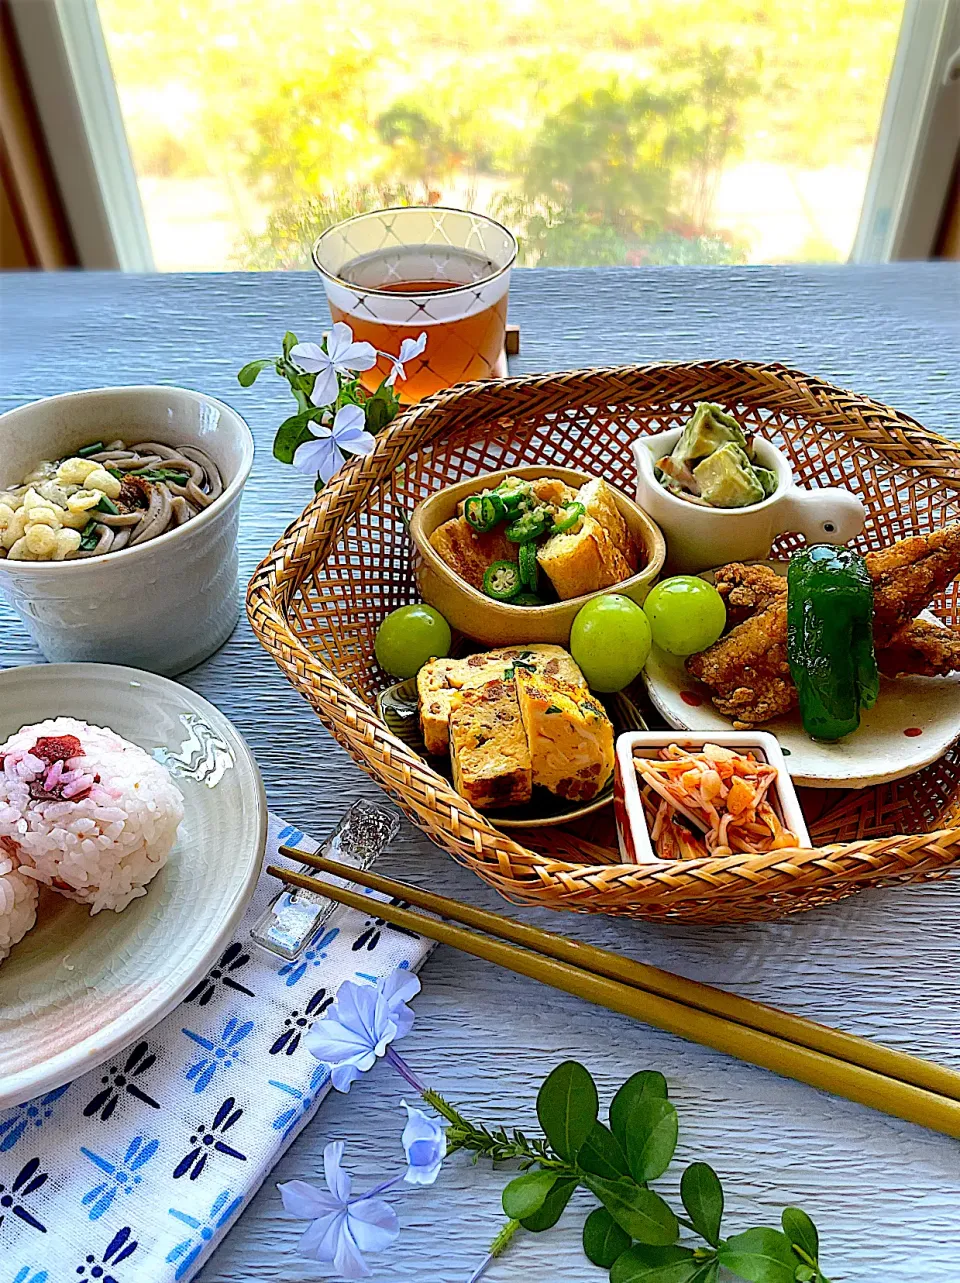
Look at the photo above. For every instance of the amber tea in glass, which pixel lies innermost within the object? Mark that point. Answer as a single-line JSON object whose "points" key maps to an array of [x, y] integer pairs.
{"points": [[398, 273]]}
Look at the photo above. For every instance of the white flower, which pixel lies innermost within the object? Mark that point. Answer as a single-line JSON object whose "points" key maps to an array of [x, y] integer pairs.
{"points": [[342, 356], [323, 453], [361, 1025], [409, 349], [343, 1228], [425, 1144]]}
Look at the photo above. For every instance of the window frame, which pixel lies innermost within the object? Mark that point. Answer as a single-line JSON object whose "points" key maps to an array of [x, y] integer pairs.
{"points": [[66, 61], [918, 140]]}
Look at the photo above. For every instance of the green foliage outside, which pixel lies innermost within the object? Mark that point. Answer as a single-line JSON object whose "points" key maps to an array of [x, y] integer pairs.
{"points": [[598, 133]]}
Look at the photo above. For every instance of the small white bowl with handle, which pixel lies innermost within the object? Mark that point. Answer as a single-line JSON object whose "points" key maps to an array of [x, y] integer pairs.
{"points": [[165, 604], [699, 537]]}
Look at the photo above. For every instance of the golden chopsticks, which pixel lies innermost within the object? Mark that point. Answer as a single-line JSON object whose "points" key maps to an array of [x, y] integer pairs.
{"points": [[868, 1073]]}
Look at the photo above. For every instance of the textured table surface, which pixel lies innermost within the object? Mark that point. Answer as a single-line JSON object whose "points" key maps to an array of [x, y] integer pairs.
{"points": [[885, 964]]}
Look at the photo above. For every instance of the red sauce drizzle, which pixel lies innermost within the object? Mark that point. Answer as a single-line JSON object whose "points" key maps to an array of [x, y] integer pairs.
{"points": [[913, 731], [692, 698]]}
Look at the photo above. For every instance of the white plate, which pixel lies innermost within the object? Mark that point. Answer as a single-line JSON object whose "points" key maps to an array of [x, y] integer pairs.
{"points": [[78, 989], [886, 747]]}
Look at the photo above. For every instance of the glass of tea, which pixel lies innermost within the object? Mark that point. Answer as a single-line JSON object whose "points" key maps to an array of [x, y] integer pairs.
{"points": [[397, 273]]}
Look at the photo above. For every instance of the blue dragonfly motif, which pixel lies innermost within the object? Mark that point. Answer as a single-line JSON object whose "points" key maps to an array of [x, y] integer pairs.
{"points": [[25, 1275], [223, 1052], [117, 1250], [209, 1139], [300, 1022], [232, 959], [313, 956], [304, 1100], [289, 835], [122, 1177], [27, 1181], [187, 1250], [28, 1116], [404, 965]]}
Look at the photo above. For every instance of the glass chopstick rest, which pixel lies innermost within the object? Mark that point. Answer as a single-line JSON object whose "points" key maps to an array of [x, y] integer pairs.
{"points": [[294, 916]]}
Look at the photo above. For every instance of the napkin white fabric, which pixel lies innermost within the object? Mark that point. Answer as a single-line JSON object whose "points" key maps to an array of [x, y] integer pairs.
{"points": [[134, 1172]]}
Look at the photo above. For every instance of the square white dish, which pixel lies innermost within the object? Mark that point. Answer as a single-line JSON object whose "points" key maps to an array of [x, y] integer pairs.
{"points": [[632, 833]]}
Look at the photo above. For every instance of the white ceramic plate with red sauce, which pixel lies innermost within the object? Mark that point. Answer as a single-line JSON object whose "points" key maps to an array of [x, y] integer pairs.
{"points": [[914, 721]]}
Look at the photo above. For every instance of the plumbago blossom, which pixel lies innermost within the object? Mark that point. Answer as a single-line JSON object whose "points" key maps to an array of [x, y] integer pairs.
{"points": [[410, 349], [338, 355], [342, 1227], [633, 1233], [322, 454], [424, 1142], [365, 1020], [361, 1025], [336, 417]]}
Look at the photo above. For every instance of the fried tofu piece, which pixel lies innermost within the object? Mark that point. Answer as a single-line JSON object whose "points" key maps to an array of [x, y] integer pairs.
{"points": [[468, 552], [553, 490], [601, 504], [596, 554], [583, 560], [488, 747], [440, 682], [569, 733]]}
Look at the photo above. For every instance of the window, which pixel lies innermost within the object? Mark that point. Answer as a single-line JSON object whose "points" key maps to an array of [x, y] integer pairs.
{"points": [[620, 132]]}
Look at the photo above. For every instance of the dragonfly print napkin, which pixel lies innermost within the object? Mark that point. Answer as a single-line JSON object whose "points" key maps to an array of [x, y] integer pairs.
{"points": [[134, 1172]]}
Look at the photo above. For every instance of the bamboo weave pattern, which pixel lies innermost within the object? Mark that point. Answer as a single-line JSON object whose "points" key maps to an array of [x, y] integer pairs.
{"points": [[317, 599]]}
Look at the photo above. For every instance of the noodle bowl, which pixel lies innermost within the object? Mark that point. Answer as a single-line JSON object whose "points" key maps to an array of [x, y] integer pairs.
{"points": [[104, 498]]}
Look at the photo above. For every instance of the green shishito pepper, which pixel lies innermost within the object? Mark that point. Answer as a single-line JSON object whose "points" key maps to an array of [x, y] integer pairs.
{"points": [[830, 639], [502, 581], [515, 496], [567, 517], [527, 559]]}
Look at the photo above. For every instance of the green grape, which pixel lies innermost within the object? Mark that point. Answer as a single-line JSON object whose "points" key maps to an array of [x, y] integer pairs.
{"points": [[610, 640], [409, 637], [686, 614]]}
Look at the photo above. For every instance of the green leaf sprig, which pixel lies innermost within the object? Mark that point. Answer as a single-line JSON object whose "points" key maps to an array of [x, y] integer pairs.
{"points": [[633, 1232], [379, 407]]}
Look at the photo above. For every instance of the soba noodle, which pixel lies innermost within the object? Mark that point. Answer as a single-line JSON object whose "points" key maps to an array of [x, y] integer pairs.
{"points": [[105, 498]]}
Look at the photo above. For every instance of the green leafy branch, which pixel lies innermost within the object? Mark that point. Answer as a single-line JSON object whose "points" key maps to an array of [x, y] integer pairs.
{"points": [[634, 1231], [498, 1145]]}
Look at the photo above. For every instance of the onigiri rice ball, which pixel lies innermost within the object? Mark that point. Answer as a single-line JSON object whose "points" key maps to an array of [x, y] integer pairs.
{"points": [[85, 811], [18, 901]]}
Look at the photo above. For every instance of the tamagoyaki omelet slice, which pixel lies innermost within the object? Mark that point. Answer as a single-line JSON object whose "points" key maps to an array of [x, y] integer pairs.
{"points": [[488, 747], [569, 733], [440, 682]]}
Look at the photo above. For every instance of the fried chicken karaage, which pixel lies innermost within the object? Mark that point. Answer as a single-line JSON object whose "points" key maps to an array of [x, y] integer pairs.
{"points": [[908, 575], [747, 669]]}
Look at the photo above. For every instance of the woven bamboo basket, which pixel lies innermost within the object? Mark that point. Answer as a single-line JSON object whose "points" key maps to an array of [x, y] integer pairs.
{"points": [[317, 599]]}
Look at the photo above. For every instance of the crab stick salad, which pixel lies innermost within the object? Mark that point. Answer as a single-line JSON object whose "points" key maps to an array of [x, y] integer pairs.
{"points": [[711, 803]]}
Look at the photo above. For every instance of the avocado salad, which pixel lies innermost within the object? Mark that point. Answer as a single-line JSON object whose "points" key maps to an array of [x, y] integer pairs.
{"points": [[713, 463]]}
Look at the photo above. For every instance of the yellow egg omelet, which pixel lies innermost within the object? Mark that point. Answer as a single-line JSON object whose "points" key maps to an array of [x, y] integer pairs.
{"points": [[569, 733], [488, 747], [440, 683]]}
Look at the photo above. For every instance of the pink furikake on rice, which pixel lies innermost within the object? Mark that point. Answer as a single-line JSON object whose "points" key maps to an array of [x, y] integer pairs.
{"points": [[85, 811]]}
